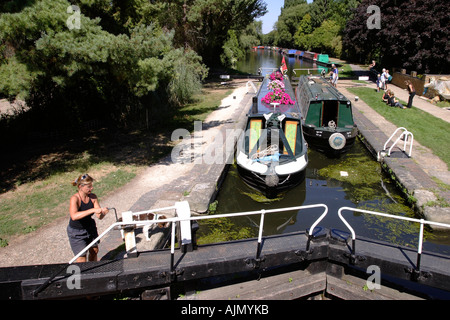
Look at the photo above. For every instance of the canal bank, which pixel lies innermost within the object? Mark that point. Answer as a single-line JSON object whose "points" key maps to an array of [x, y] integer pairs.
{"points": [[201, 159], [199, 185], [159, 185], [414, 174], [165, 183]]}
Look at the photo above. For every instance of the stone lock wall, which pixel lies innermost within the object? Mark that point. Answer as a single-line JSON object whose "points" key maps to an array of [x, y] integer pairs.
{"points": [[399, 77]]}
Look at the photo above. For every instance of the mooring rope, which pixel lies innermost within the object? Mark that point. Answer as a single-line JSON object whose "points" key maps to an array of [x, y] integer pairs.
{"points": [[268, 151]]}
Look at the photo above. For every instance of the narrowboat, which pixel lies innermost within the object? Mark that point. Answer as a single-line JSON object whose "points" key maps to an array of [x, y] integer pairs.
{"points": [[327, 122], [271, 154], [291, 52]]}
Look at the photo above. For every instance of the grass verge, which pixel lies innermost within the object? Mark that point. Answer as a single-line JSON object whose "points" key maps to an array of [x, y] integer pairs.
{"points": [[40, 187], [428, 130]]}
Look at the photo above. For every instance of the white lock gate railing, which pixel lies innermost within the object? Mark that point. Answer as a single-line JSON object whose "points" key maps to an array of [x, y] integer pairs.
{"points": [[421, 221]]}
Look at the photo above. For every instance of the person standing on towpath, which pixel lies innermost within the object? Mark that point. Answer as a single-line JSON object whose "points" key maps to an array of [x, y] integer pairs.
{"points": [[82, 229]]}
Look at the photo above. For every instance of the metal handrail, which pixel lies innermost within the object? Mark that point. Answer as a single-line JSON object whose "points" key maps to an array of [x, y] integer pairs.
{"points": [[178, 219], [421, 221], [118, 224], [406, 134], [307, 69]]}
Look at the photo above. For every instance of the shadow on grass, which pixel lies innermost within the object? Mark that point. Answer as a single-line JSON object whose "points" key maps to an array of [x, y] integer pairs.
{"points": [[42, 155]]}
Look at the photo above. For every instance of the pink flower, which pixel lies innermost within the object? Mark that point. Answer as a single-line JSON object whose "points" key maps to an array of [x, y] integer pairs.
{"points": [[275, 84], [277, 96], [276, 76]]}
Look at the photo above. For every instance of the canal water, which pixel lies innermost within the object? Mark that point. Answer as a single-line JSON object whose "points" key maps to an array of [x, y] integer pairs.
{"points": [[353, 180]]}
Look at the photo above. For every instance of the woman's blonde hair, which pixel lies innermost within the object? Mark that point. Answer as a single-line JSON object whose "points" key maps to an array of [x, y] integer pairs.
{"points": [[83, 179]]}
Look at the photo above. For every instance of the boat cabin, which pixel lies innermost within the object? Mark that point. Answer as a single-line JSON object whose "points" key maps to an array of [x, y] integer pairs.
{"points": [[271, 155], [327, 115]]}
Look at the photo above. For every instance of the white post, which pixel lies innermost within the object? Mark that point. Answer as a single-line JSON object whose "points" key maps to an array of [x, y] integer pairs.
{"points": [[129, 236], [184, 211], [253, 86]]}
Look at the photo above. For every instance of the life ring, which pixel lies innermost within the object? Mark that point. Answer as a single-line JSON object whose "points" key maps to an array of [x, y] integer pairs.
{"points": [[337, 141]]}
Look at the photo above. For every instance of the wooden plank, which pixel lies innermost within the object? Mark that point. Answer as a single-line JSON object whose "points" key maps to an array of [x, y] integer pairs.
{"points": [[354, 288], [286, 286]]}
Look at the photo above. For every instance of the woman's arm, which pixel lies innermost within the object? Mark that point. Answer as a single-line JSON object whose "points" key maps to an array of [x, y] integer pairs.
{"points": [[103, 211], [77, 215]]}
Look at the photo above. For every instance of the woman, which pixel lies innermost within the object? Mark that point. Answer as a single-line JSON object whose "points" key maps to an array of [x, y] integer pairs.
{"points": [[82, 229], [394, 102], [386, 95], [334, 75], [412, 92], [383, 80]]}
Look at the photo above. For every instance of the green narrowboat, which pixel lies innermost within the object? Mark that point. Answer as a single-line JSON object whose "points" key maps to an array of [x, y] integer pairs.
{"points": [[327, 120]]}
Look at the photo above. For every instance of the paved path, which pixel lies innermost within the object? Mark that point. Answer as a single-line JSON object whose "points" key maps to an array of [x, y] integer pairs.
{"points": [[165, 182], [418, 174], [159, 185], [403, 94]]}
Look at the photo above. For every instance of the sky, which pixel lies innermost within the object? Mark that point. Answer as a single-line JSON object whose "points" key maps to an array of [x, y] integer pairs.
{"points": [[274, 10]]}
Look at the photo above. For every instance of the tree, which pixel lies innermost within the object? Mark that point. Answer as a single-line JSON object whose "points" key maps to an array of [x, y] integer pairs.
{"points": [[413, 35], [288, 21], [302, 38], [299, 21], [203, 25], [327, 38], [71, 75], [231, 50], [320, 11]]}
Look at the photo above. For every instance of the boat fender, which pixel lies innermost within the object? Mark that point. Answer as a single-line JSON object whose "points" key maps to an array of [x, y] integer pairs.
{"points": [[271, 180], [337, 141]]}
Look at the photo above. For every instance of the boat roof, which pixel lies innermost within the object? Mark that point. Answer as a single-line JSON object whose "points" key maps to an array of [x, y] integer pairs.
{"points": [[318, 88], [290, 110]]}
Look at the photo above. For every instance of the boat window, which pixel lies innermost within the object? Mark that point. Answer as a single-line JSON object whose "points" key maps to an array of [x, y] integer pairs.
{"points": [[330, 112], [345, 115], [314, 114], [257, 139], [290, 132], [255, 133]]}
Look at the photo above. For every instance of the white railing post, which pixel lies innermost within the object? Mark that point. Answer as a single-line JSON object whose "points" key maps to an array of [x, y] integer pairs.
{"points": [[183, 211], [252, 84], [129, 235], [420, 221], [260, 232]]}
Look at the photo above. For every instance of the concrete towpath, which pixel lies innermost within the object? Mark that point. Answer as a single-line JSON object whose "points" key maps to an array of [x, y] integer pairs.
{"points": [[402, 94], [418, 174], [159, 185]]}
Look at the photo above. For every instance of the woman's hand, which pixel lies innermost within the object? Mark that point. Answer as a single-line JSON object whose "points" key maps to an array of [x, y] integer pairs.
{"points": [[102, 212]]}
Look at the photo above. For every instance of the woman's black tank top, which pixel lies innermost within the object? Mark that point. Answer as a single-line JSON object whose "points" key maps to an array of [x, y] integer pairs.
{"points": [[86, 222]]}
